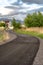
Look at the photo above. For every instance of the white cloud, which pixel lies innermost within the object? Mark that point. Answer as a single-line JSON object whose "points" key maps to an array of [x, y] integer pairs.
{"points": [[11, 1], [20, 17], [24, 9], [30, 7], [5, 11], [3, 3], [6, 2]]}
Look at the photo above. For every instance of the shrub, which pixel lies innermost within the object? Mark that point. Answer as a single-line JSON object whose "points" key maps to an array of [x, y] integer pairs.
{"points": [[15, 24], [18, 25], [2, 24]]}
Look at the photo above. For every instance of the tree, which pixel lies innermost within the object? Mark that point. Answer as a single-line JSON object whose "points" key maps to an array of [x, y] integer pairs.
{"points": [[15, 24], [40, 18], [28, 20], [34, 20]]}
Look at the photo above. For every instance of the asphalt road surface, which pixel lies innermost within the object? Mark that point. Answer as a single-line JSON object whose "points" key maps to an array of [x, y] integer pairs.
{"points": [[20, 51]]}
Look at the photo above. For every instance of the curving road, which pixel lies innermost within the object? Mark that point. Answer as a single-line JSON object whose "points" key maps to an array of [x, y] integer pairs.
{"points": [[39, 57], [20, 51]]}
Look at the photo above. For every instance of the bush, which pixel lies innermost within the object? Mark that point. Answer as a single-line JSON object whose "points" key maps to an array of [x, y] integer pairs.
{"points": [[2, 24], [16, 25], [34, 20]]}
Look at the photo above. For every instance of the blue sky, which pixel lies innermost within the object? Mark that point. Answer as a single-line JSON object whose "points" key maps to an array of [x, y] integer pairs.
{"points": [[19, 8]]}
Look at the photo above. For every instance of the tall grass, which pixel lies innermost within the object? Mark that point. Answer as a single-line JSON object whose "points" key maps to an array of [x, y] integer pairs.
{"points": [[36, 34]]}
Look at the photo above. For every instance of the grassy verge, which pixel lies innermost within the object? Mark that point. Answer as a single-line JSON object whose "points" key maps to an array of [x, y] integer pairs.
{"points": [[4, 36], [1, 37], [29, 33]]}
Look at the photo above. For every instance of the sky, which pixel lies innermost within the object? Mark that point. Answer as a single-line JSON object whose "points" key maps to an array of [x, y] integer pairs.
{"points": [[17, 8]]}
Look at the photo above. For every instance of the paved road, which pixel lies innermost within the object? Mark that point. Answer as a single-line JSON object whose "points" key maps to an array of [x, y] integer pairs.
{"points": [[39, 57], [20, 51]]}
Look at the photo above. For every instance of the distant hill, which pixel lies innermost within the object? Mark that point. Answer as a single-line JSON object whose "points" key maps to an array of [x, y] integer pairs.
{"points": [[4, 19]]}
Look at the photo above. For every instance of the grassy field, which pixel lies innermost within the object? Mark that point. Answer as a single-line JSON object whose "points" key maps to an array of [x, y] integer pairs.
{"points": [[36, 34]]}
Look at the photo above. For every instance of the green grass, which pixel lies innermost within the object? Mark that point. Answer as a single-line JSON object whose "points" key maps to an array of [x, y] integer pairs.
{"points": [[30, 33]]}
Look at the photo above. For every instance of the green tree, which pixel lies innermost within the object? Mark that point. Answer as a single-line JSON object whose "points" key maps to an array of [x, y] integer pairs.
{"points": [[40, 18], [34, 20], [28, 20], [15, 24]]}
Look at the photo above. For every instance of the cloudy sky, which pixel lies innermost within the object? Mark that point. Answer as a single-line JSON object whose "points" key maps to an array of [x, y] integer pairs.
{"points": [[19, 8]]}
